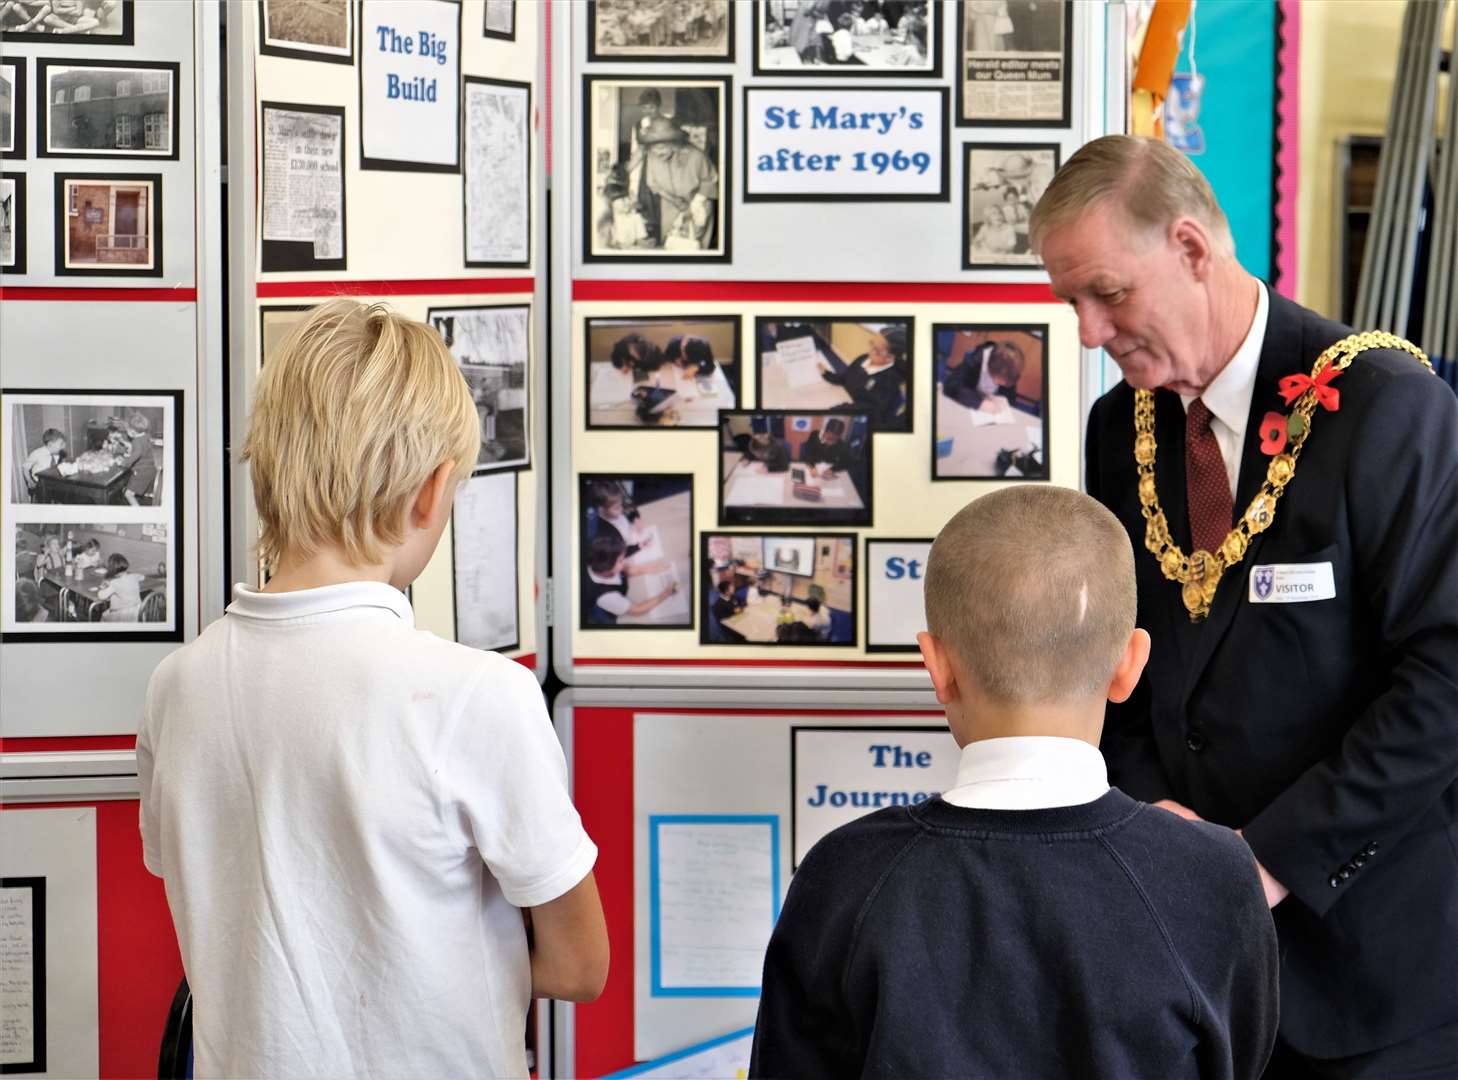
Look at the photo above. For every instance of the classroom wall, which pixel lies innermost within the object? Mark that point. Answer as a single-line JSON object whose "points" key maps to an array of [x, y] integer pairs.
{"points": [[1348, 68]]}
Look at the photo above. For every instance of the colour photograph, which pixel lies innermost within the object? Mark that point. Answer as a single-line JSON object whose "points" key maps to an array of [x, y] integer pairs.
{"points": [[778, 589], [109, 225], [663, 372], [858, 364], [990, 421], [794, 468], [636, 543]]}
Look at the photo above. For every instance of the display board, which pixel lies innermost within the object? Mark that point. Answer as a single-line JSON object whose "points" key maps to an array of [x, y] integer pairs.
{"points": [[696, 853], [400, 160], [804, 320], [110, 360]]}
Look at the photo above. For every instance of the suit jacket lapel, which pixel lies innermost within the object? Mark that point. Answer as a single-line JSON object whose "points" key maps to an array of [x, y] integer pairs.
{"points": [[1282, 353]]}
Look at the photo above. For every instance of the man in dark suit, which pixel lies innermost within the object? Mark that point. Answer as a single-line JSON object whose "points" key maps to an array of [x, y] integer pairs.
{"points": [[1315, 705]]}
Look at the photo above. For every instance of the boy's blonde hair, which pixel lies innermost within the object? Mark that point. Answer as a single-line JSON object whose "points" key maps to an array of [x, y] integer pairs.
{"points": [[350, 416], [1031, 589]]}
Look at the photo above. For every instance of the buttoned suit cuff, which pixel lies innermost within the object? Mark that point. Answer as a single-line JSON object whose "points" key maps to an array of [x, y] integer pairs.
{"points": [[1314, 875]]}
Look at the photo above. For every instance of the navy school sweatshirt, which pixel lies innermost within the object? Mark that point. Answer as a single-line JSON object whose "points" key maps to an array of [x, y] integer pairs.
{"points": [[1110, 939]]}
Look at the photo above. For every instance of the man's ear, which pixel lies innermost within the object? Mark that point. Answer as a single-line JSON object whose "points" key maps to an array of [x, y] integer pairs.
{"points": [[1192, 241], [434, 496], [1130, 667], [938, 663]]}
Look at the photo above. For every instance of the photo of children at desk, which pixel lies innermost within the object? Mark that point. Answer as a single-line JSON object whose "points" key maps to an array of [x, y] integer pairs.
{"points": [[637, 551], [991, 417], [778, 590], [90, 573], [661, 372], [795, 468], [94, 454], [845, 365]]}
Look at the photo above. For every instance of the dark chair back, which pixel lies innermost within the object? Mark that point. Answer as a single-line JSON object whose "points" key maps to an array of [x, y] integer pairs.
{"points": [[174, 1061]]}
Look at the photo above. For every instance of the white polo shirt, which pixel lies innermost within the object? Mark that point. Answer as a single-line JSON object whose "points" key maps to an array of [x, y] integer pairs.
{"points": [[348, 813]]}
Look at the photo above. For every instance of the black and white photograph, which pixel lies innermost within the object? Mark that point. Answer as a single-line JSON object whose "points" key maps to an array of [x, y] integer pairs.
{"points": [[303, 196], [12, 223], [275, 323], [409, 97], [1015, 63], [107, 109], [492, 346], [794, 468], [484, 590], [990, 418], [12, 107], [778, 589], [498, 224], [1004, 181], [665, 372], [854, 364], [500, 20], [636, 550], [68, 22], [820, 38], [108, 224], [88, 449], [656, 169], [661, 31], [307, 30], [92, 506]]}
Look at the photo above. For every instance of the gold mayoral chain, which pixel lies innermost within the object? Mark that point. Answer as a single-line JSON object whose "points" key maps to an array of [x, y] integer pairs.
{"points": [[1199, 574]]}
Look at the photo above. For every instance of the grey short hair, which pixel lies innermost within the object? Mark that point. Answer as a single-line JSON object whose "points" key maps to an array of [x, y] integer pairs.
{"points": [[1031, 588], [1152, 182]]}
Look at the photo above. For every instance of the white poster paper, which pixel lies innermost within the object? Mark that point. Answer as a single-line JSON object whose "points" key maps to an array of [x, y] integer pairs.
{"points": [[483, 538], [498, 173], [59, 846], [410, 75], [895, 606], [303, 178], [840, 774], [19, 951], [863, 144], [715, 898]]}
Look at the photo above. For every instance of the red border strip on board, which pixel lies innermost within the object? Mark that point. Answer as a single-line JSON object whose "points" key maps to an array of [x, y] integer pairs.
{"points": [[53, 744], [37, 292], [277, 290], [833, 292]]}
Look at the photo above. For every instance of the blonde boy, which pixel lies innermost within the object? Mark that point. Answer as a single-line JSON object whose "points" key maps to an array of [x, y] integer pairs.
{"points": [[350, 813], [1031, 922]]}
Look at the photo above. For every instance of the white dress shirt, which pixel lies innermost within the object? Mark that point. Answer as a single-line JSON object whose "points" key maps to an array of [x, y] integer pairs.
{"points": [[1228, 396], [1028, 772]]}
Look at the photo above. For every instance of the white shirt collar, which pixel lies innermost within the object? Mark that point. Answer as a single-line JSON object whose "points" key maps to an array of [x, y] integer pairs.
{"points": [[354, 599], [616, 579], [1029, 772], [1228, 395]]}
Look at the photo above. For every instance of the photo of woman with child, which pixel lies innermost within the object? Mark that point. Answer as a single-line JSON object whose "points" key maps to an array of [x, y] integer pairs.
{"points": [[656, 169], [1004, 183], [778, 590]]}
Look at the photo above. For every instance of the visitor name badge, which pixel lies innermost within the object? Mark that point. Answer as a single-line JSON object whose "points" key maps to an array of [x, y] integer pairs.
{"points": [[1291, 583]]}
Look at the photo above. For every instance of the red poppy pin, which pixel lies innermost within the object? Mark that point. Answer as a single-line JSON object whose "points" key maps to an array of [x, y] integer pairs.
{"points": [[1276, 429]]}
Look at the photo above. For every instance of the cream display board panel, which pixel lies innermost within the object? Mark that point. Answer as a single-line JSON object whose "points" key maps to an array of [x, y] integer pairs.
{"points": [[398, 161], [757, 484]]}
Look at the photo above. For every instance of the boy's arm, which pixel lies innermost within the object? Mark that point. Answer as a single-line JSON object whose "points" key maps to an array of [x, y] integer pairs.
{"points": [[570, 945]]}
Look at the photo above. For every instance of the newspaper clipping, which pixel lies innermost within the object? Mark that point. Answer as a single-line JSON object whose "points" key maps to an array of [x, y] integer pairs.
{"points": [[498, 173], [1014, 62], [303, 188]]}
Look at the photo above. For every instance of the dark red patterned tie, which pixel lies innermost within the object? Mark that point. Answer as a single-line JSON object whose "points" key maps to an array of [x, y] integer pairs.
{"points": [[1207, 485]]}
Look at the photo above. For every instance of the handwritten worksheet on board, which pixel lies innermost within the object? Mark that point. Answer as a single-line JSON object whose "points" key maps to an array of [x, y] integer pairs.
{"points": [[22, 908], [715, 895]]}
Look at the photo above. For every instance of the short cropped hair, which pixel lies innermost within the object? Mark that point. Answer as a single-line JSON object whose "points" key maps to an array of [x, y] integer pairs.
{"points": [[604, 550], [350, 417], [51, 435], [1005, 361], [1152, 182], [1031, 589]]}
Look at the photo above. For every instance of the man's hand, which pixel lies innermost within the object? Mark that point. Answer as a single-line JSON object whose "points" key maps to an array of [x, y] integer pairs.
{"points": [[1178, 809], [1275, 891]]}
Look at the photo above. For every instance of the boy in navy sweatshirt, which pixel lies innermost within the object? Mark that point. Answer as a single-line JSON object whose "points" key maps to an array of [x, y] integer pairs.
{"points": [[1032, 921]]}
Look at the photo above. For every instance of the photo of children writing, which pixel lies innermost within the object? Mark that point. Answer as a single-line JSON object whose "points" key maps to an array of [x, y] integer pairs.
{"points": [[778, 590], [90, 573], [661, 372], [794, 468], [104, 454], [990, 419], [636, 550], [845, 365]]}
